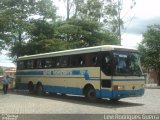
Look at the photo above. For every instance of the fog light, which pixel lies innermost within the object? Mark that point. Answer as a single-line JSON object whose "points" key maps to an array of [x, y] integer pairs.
{"points": [[120, 87], [142, 86], [116, 87]]}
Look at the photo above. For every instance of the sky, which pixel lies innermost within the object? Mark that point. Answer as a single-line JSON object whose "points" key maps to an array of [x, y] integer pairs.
{"points": [[144, 13]]}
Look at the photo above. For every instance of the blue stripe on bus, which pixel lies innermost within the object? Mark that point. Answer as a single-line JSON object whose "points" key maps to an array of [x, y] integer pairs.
{"points": [[127, 93], [21, 86], [30, 73], [103, 93], [58, 89], [106, 93], [65, 90]]}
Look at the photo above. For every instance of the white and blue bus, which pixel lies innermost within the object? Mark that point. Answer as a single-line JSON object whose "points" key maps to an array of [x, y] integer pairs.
{"points": [[107, 71]]}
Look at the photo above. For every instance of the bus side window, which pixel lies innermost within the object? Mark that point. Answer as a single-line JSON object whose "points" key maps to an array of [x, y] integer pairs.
{"points": [[81, 60], [57, 62], [73, 61], [64, 61], [77, 60], [30, 64], [48, 63], [20, 65], [106, 64], [93, 59], [39, 64], [54, 61]]}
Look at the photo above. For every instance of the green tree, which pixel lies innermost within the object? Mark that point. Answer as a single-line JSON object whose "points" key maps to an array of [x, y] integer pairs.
{"points": [[108, 12], [15, 16], [92, 10], [150, 47], [84, 32], [31, 27], [1, 71], [113, 17], [43, 39]]}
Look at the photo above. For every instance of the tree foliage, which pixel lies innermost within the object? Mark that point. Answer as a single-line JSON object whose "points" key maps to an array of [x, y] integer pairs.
{"points": [[15, 16], [1, 71], [150, 47], [32, 26], [84, 32]]}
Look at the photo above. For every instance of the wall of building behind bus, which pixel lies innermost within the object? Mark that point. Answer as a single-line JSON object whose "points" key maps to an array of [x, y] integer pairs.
{"points": [[151, 76], [11, 73]]}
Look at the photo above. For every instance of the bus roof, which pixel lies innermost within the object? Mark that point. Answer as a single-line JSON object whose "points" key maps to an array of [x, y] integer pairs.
{"points": [[76, 51]]}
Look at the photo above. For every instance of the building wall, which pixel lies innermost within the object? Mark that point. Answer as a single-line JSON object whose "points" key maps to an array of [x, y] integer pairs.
{"points": [[11, 73], [151, 76], [1, 82]]}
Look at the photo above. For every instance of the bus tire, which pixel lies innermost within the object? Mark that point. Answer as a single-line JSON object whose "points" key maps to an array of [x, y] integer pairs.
{"points": [[90, 94], [62, 94], [114, 99], [39, 89], [30, 87]]}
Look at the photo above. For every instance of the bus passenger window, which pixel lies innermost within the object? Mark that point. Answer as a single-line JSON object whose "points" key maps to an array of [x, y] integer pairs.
{"points": [[77, 60], [64, 61], [54, 62], [57, 63], [93, 60], [81, 60], [73, 61], [30, 64], [48, 63], [107, 59], [107, 64], [20, 65], [39, 64]]}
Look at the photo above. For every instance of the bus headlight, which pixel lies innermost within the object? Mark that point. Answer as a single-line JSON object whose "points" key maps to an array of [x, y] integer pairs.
{"points": [[142, 86], [118, 87]]}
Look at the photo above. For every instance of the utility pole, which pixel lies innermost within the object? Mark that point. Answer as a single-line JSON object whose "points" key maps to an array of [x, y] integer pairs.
{"points": [[119, 18], [119, 21], [68, 9]]}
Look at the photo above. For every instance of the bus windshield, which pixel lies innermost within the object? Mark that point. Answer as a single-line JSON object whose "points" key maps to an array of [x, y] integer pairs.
{"points": [[127, 63]]}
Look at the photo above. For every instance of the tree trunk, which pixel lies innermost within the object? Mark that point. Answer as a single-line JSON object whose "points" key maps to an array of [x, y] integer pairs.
{"points": [[68, 10], [19, 44], [158, 75]]}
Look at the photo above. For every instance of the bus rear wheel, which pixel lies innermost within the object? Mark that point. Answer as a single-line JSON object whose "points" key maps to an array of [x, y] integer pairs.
{"points": [[31, 87], [90, 94], [39, 89]]}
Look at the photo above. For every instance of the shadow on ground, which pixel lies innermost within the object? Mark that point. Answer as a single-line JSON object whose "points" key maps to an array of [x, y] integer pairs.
{"points": [[80, 100]]}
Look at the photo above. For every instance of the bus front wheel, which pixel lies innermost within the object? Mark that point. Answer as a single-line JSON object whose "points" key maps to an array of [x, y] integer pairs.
{"points": [[91, 94], [114, 99], [39, 89]]}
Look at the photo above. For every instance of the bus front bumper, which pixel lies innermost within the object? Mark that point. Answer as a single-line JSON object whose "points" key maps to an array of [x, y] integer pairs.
{"points": [[127, 93]]}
